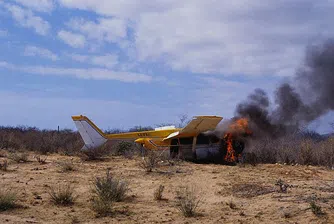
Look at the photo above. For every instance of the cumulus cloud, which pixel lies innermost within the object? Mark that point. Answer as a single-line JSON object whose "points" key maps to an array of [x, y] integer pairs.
{"points": [[38, 5], [105, 29], [120, 8], [81, 73], [28, 19], [108, 60], [214, 95], [42, 52], [72, 39], [221, 37]]}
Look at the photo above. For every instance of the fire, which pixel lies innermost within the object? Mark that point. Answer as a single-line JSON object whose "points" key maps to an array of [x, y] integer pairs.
{"points": [[230, 154], [239, 126]]}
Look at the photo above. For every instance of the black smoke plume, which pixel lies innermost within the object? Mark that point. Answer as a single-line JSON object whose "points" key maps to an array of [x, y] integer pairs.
{"points": [[309, 96]]}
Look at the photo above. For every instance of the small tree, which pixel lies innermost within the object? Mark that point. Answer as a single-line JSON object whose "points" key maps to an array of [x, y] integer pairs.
{"points": [[183, 120]]}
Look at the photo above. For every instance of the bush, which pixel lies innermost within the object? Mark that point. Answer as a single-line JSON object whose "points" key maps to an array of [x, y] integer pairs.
{"points": [[124, 148], [231, 204], [63, 195], [106, 191], [40, 159], [67, 166], [7, 200], [102, 207], [42, 141], [250, 190], [97, 153], [4, 165], [110, 189], [283, 187], [290, 150], [187, 201], [158, 192], [150, 162], [19, 157], [316, 209]]}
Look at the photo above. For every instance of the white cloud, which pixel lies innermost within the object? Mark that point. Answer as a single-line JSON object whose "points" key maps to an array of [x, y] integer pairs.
{"points": [[38, 5], [108, 30], [28, 19], [6, 65], [3, 33], [220, 96], [108, 60], [72, 39], [120, 8], [81, 73], [37, 51], [78, 57], [228, 37]]}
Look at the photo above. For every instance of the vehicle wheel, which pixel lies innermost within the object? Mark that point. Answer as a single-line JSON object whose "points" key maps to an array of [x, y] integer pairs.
{"points": [[174, 149]]}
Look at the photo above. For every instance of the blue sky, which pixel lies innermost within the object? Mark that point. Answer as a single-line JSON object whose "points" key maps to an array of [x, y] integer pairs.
{"points": [[128, 62]]}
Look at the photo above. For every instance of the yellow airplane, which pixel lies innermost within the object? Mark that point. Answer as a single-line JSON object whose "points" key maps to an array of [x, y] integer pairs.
{"points": [[188, 142]]}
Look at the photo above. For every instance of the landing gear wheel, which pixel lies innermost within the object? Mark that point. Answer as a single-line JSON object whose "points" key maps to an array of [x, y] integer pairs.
{"points": [[174, 149]]}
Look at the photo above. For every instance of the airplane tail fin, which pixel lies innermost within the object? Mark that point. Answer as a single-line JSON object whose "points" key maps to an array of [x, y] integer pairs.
{"points": [[91, 135]]}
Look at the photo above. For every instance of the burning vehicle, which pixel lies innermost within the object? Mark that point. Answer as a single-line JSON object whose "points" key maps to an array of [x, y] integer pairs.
{"points": [[199, 140], [304, 98]]}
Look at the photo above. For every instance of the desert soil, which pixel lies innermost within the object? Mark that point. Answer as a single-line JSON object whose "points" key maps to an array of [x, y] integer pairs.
{"points": [[250, 189]]}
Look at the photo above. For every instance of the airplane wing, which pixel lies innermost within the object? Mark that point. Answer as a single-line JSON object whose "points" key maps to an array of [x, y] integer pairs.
{"points": [[197, 125]]}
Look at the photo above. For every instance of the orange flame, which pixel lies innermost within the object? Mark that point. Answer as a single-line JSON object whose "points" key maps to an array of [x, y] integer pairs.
{"points": [[230, 155], [239, 126]]}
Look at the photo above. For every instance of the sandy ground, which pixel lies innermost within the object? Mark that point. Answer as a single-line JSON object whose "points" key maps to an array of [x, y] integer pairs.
{"points": [[251, 189]]}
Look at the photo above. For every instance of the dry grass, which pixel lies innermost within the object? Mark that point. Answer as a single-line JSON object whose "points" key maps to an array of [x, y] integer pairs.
{"points": [[42, 141], [106, 191], [66, 166], [110, 188], [4, 165], [231, 204], [63, 195], [187, 201], [96, 154], [19, 157], [3, 154], [158, 193], [126, 149], [40, 159], [249, 190], [291, 150], [102, 207], [316, 209], [7, 200], [140, 202]]}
